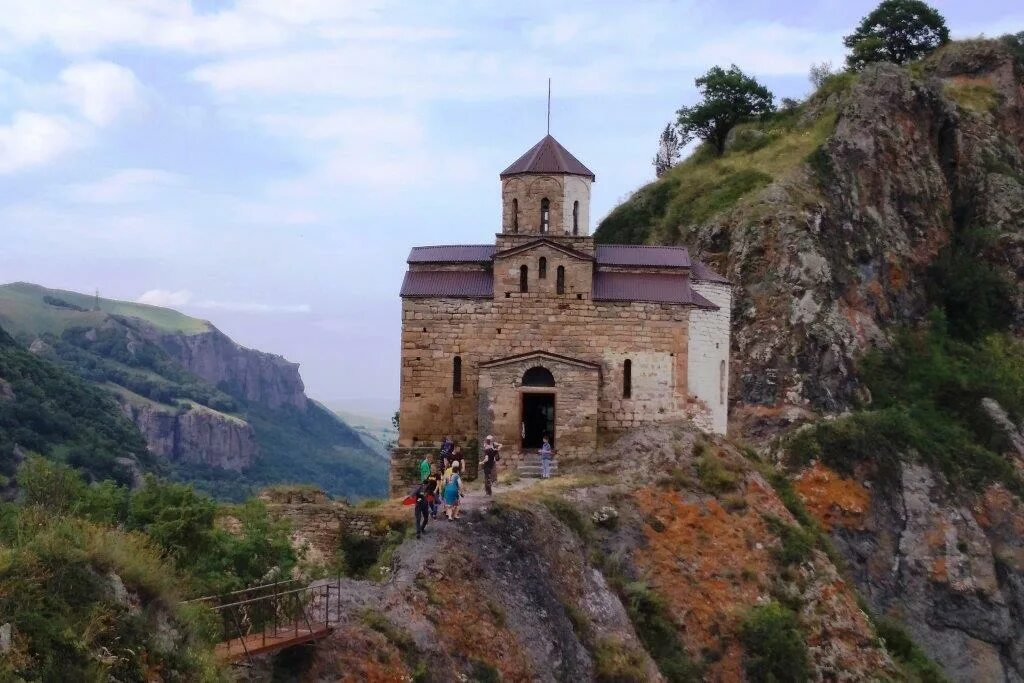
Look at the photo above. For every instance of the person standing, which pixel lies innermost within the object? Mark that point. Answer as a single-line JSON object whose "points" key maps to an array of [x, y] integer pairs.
{"points": [[422, 508], [490, 462], [425, 467], [453, 492], [432, 486], [446, 447], [545, 459]]}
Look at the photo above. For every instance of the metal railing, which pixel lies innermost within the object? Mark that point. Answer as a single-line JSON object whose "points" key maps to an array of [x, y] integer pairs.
{"points": [[263, 618]]}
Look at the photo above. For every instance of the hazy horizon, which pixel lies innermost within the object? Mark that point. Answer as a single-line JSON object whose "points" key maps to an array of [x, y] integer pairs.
{"points": [[266, 166]]}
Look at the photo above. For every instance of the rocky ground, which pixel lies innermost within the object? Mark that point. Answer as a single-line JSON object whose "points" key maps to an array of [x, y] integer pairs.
{"points": [[598, 575]]}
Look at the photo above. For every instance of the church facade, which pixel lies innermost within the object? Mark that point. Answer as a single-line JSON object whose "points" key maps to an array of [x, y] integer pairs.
{"points": [[544, 332]]}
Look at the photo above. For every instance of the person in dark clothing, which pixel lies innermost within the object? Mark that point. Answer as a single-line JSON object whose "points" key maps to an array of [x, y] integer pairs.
{"points": [[422, 505], [432, 485], [490, 462]]}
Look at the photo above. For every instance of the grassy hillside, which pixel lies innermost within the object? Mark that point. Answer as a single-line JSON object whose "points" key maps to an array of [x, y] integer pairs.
{"points": [[30, 309], [109, 348], [48, 410], [704, 186]]}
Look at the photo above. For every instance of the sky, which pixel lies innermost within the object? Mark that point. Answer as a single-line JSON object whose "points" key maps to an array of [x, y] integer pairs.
{"points": [[267, 164]]}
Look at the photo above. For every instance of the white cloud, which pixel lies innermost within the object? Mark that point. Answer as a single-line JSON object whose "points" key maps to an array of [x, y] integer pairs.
{"points": [[33, 139], [101, 91], [125, 186], [183, 297], [164, 297]]}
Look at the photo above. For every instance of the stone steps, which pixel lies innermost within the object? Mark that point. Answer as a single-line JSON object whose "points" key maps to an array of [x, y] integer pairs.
{"points": [[531, 469]]}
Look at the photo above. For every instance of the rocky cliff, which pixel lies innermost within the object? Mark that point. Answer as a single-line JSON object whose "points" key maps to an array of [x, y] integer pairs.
{"points": [[194, 435], [830, 221], [254, 376], [873, 234]]}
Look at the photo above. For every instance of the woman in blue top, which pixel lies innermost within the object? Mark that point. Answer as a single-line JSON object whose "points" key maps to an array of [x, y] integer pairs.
{"points": [[453, 491]]}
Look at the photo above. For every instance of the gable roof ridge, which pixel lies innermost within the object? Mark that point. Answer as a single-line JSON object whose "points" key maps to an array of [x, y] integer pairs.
{"points": [[543, 240]]}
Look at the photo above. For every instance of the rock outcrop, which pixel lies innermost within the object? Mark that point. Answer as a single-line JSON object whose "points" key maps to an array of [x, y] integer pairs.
{"points": [[951, 570], [196, 435], [257, 377]]}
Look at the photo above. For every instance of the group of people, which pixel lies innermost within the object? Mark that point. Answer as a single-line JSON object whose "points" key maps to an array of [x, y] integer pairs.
{"points": [[441, 486]]}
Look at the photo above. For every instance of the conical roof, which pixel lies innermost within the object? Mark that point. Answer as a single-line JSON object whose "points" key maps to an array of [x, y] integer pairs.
{"points": [[548, 157]]}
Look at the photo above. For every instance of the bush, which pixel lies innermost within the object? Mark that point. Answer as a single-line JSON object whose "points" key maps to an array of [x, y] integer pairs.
{"points": [[899, 643], [616, 663], [774, 649], [795, 544], [657, 631], [714, 476]]}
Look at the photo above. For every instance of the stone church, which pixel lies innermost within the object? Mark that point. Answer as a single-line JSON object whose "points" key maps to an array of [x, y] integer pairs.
{"points": [[544, 332]]}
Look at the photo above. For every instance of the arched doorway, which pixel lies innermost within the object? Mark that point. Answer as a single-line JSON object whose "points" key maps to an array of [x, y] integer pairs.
{"points": [[538, 407]]}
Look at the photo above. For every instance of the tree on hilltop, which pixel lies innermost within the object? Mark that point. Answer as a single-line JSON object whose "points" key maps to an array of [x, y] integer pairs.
{"points": [[897, 31], [729, 97], [669, 150]]}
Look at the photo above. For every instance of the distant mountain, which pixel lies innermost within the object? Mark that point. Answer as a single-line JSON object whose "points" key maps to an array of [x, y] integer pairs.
{"points": [[46, 409], [377, 432], [220, 415]]}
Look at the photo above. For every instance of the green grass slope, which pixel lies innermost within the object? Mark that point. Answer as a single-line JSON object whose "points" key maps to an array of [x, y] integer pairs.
{"points": [[31, 309], [705, 186]]}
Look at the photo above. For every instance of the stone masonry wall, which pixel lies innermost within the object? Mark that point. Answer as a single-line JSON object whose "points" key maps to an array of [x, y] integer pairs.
{"points": [[529, 190], [434, 331], [576, 406], [708, 357]]}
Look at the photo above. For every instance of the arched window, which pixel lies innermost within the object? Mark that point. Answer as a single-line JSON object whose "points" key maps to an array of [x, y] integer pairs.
{"points": [[542, 268], [560, 280], [538, 376], [545, 210], [627, 378], [575, 218], [721, 383], [515, 215], [457, 375], [524, 273]]}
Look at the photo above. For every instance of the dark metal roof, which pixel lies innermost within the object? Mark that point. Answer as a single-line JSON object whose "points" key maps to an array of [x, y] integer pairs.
{"points": [[663, 288], [459, 284], [637, 255], [701, 271], [548, 156], [452, 253]]}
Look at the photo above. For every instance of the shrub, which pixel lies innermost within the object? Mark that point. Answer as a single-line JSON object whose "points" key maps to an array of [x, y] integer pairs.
{"points": [[713, 475], [569, 515], [616, 663], [899, 643], [795, 544], [657, 631], [774, 649]]}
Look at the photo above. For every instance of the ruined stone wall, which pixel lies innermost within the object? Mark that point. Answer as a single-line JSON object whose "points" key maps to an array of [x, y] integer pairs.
{"points": [[708, 357]]}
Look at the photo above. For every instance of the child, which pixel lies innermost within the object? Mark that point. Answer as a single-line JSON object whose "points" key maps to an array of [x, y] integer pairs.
{"points": [[545, 459]]}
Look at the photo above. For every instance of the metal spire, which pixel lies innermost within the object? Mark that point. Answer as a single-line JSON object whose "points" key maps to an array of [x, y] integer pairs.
{"points": [[549, 105]]}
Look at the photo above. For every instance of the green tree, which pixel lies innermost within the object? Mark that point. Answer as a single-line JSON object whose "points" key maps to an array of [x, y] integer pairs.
{"points": [[729, 97], [897, 31], [669, 149]]}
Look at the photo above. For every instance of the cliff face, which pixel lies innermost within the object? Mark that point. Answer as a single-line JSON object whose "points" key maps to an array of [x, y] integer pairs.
{"points": [[833, 244], [197, 436], [951, 569], [254, 376]]}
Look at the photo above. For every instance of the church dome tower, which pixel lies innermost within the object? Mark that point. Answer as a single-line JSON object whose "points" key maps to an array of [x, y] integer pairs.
{"points": [[546, 192]]}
